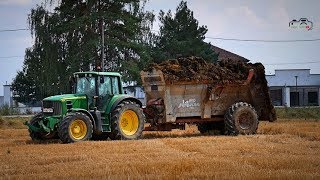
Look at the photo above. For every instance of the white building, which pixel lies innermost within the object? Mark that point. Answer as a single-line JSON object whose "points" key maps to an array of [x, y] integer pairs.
{"points": [[294, 87], [6, 99], [137, 92]]}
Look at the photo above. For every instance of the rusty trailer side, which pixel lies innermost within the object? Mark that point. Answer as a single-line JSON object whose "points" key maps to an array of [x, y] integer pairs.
{"points": [[197, 102]]}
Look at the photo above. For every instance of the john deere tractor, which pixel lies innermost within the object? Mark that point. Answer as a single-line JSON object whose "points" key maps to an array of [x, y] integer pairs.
{"points": [[97, 109]]}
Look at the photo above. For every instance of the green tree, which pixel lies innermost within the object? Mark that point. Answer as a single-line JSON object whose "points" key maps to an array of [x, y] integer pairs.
{"points": [[181, 35], [68, 39]]}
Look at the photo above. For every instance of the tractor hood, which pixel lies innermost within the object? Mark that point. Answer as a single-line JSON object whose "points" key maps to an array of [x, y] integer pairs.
{"points": [[65, 97], [59, 104]]}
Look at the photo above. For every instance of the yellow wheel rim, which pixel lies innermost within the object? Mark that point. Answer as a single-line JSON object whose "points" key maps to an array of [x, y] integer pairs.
{"points": [[129, 122], [78, 129]]}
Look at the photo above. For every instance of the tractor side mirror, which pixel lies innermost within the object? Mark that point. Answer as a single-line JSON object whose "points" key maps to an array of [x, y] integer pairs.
{"points": [[95, 99]]}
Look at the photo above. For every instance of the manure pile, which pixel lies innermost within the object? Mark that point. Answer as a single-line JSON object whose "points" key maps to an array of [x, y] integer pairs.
{"points": [[197, 69]]}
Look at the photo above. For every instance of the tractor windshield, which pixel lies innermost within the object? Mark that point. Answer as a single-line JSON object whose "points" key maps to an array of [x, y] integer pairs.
{"points": [[86, 85]]}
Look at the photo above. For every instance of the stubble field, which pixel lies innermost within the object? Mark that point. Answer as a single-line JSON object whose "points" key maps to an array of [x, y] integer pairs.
{"points": [[285, 149]]}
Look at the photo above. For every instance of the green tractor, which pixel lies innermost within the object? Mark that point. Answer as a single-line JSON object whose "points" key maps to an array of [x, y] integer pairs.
{"points": [[97, 109]]}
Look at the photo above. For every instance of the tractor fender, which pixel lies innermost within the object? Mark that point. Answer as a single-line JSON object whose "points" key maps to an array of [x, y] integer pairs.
{"points": [[121, 99], [84, 112]]}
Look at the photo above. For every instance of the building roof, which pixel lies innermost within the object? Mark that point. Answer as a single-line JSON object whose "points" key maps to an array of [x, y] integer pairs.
{"points": [[292, 69], [227, 55]]}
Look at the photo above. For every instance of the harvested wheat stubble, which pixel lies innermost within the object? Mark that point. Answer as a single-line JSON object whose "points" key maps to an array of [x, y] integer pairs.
{"points": [[281, 150]]}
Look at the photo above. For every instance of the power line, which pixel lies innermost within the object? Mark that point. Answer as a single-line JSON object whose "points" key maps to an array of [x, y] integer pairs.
{"points": [[11, 30], [216, 38], [311, 62], [262, 40], [8, 57], [258, 40]]}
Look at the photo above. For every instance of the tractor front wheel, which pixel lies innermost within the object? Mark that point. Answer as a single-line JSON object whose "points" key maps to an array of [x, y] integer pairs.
{"points": [[127, 121], [75, 127], [39, 135]]}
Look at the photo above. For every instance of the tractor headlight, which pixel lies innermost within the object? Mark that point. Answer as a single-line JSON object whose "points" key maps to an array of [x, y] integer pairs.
{"points": [[47, 110]]}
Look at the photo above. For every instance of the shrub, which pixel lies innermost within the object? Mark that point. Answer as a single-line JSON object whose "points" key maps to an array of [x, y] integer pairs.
{"points": [[6, 110], [298, 113]]}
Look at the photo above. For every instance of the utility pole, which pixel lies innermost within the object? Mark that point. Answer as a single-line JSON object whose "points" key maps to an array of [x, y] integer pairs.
{"points": [[102, 34], [297, 94], [102, 45]]}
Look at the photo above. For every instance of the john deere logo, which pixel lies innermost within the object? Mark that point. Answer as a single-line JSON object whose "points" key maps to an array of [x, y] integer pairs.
{"points": [[303, 23]]}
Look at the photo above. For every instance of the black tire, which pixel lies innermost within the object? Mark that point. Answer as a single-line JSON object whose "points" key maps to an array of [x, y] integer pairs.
{"points": [[241, 118], [36, 136], [127, 121], [215, 128], [75, 127]]}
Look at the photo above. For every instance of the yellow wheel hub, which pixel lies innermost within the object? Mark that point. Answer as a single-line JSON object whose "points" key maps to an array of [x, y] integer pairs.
{"points": [[78, 129], [129, 122]]}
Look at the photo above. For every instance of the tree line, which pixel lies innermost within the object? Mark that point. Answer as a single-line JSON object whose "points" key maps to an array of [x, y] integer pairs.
{"points": [[68, 39]]}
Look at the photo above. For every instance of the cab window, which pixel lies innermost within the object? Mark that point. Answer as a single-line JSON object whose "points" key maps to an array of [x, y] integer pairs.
{"points": [[105, 87], [115, 85], [86, 85]]}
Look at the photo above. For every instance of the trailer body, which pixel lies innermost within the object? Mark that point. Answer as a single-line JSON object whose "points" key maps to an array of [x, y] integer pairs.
{"points": [[172, 104]]}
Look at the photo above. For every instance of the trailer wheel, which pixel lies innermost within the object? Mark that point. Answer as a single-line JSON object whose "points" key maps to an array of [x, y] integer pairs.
{"points": [[39, 135], [127, 121], [75, 127], [241, 118]]}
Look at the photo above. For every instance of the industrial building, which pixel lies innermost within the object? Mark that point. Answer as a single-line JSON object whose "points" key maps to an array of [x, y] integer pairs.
{"points": [[6, 99], [294, 87]]}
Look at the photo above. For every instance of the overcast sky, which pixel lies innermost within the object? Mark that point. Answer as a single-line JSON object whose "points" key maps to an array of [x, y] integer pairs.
{"points": [[235, 19]]}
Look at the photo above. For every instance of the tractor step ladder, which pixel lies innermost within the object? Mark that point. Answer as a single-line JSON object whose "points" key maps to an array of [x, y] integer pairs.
{"points": [[105, 126]]}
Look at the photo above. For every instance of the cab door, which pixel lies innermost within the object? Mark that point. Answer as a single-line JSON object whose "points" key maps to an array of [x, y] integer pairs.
{"points": [[108, 87]]}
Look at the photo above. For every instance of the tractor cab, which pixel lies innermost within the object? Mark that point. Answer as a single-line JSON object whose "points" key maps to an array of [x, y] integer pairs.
{"points": [[99, 87]]}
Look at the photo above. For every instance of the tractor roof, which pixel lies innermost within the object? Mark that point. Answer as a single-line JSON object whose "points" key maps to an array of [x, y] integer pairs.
{"points": [[99, 73]]}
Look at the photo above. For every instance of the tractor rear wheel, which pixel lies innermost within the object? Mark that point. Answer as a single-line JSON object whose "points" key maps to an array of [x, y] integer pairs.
{"points": [[127, 121], [241, 118], [39, 135], [75, 127]]}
